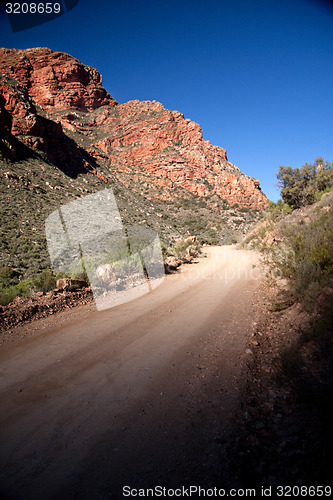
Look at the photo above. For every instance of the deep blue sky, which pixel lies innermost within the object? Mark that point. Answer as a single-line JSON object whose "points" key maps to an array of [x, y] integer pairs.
{"points": [[257, 75]]}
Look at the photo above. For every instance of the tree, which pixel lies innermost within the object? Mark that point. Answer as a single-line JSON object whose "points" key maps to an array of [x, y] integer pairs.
{"points": [[299, 187]]}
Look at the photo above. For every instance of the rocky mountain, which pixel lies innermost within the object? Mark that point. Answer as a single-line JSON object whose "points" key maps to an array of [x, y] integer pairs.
{"points": [[55, 95], [62, 135]]}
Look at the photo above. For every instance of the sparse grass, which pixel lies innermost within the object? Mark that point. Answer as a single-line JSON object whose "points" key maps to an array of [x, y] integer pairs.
{"points": [[183, 246], [33, 188], [24, 288], [278, 210], [12, 286], [297, 246], [46, 281], [309, 262]]}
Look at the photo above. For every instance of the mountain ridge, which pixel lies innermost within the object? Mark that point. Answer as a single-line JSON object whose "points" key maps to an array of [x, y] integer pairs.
{"points": [[162, 172], [138, 137]]}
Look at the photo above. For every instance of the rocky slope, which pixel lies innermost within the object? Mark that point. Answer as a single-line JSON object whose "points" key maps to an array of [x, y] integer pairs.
{"points": [[284, 430], [63, 136], [50, 98]]}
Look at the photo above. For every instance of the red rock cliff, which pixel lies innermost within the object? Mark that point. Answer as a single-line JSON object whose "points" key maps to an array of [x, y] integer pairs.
{"points": [[56, 81], [140, 140]]}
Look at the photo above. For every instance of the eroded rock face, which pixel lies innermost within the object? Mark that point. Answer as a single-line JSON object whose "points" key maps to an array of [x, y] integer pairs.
{"points": [[54, 80], [22, 118], [18, 114], [172, 151], [137, 140]]}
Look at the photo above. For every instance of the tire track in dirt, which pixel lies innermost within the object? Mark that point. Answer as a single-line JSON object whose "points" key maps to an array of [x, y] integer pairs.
{"points": [[140, 393]]}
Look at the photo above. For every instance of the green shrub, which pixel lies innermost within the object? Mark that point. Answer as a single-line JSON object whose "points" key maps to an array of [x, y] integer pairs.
{"points": [[299, 186], [181, 247], [46, 281], [278, 210], [164, 249], [313, 241], [7, 295], [319, 194], [307, 275], [80, 276], [7, 276], [306, 259], [25, 288], [22, 289]]}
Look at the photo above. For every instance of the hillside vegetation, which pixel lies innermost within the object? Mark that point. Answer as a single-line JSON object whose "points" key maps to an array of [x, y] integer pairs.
{"points": [[79, 140], [32, 188], [304, 186], [290, 391], [296, 237]]}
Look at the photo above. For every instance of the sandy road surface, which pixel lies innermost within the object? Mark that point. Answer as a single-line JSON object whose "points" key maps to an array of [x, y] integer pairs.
{"points": [[140, 394]]}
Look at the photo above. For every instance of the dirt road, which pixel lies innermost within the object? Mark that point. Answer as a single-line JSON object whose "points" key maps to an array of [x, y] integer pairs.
{"points": [[141, 394]]}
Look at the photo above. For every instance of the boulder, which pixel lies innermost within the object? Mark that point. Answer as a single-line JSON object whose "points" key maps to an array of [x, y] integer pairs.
{"points": [[105, 273], [67, 284], [171, 264]]}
